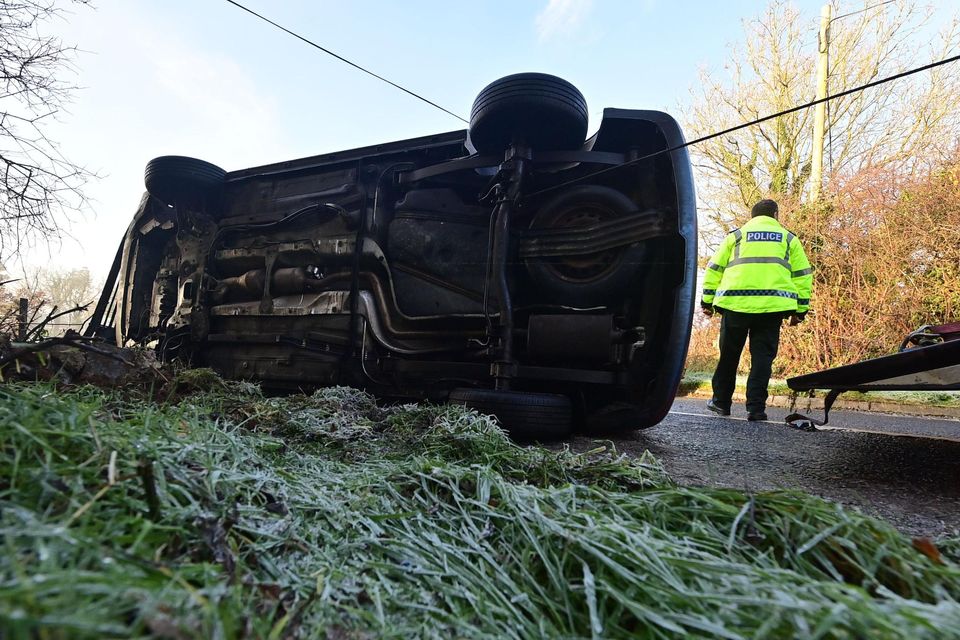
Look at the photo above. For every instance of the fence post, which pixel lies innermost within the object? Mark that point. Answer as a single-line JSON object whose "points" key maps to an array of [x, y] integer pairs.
{"points": [[23, 319]]}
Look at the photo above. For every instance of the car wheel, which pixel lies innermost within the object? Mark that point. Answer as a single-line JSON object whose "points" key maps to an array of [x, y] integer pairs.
{"points": [[617, 417], [545, 112], [525, 416], [179, 179], [592, 278]]}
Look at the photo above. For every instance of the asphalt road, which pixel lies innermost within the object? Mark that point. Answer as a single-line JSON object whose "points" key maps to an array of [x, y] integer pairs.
{"points": [[912, 480]]}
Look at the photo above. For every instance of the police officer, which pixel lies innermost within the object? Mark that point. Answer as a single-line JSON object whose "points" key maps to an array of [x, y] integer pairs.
{"points": [[759, 276]]}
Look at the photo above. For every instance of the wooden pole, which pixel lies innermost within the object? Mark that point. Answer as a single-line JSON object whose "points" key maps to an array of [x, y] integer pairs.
{"points": [[23, 319], [820, 110]]}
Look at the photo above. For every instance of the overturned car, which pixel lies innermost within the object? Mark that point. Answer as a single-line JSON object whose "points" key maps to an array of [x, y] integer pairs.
{"points": [[515, 267]]}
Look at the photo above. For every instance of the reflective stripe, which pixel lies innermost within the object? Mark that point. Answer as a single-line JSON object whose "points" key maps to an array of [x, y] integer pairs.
{"points": [[786, 256], [803, 300], [715, 267], [802, 272], [764, 260], [709, 292], [736, 246], [776, 293]]}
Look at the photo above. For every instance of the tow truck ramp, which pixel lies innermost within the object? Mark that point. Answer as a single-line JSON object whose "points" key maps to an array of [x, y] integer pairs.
{"points": [[928, 360]]}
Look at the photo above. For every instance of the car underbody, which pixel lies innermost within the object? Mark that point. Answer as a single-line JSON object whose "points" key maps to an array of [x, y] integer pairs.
{"points": [[420, 270]]}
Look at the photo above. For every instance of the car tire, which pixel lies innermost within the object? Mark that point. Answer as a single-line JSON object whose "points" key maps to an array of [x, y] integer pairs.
{"points": [[594, 279], [540, 417], [615, 418], [545, 112], [179, 179]]}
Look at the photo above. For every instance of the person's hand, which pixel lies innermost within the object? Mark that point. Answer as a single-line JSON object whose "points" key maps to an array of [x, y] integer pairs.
{"points": [[796, 319], [707, 310]]}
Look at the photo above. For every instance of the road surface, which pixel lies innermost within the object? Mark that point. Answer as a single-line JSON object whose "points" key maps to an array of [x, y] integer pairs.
{"points": [[913, 481]]}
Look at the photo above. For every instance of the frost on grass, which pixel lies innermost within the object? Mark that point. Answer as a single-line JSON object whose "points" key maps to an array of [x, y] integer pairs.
{"points": [[229, 515]]}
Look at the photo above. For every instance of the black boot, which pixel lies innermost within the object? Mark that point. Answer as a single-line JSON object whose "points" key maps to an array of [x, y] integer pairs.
{"points": [[717, 409]]}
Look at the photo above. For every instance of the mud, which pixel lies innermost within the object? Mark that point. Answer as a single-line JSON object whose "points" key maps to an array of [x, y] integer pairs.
{"points": [[73, 360]]}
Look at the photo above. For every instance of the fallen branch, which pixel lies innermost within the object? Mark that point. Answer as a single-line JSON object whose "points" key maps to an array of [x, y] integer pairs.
{"points": [[74, 340], [53, 315]]}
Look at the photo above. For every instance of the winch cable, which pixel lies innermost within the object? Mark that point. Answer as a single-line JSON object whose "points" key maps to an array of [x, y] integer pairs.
{"points": [[342, 59], [744, 125]]}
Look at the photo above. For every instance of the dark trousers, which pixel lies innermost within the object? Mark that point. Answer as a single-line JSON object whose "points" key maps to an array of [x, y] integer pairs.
{"points": [[764, 332]]}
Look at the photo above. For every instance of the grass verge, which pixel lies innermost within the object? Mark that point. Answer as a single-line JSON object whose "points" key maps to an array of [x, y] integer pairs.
{"points": [[700, 381], [232, 515]]}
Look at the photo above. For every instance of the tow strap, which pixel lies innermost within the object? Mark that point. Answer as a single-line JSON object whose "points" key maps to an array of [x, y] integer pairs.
{"points": [[806, 423]]}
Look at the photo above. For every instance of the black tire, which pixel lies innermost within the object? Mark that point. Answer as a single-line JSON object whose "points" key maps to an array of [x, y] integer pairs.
{"points": [[593, 279], [617, 417], [176, 179], [545, 112], [540, 417]]}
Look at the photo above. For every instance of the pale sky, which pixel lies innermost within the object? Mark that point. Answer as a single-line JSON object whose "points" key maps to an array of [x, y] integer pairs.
{"points": [[204, 79]]}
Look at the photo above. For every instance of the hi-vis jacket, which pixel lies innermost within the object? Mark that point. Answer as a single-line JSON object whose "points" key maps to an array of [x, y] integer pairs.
{"points": [[759, 268]]}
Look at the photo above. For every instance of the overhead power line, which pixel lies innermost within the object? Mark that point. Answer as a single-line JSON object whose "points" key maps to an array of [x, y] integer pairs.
{"points": [[873, 6], [635, 161], [806, 105], [342, 59]]}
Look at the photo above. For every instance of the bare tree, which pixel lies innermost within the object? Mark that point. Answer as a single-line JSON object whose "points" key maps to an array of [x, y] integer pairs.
{"points": [[883, 238], [910, 123], [12, 289], [39, 187], [58, 300], [70, 292]]}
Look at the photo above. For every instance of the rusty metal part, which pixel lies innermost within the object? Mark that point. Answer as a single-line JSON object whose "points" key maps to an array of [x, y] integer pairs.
{"points": [[249, 284], [440, 282], [332, 246], [283, 281], [295, 279]]}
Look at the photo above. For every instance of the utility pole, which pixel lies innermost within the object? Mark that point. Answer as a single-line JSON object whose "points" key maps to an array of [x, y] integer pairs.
{"points": [[820, 110]]}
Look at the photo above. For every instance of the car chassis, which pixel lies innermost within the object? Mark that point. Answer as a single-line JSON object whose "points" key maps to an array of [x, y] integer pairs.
{"points": [[514, 267]]}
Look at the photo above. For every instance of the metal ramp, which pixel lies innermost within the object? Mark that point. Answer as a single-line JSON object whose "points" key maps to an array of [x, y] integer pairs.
{"points": [[928, 360]]}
